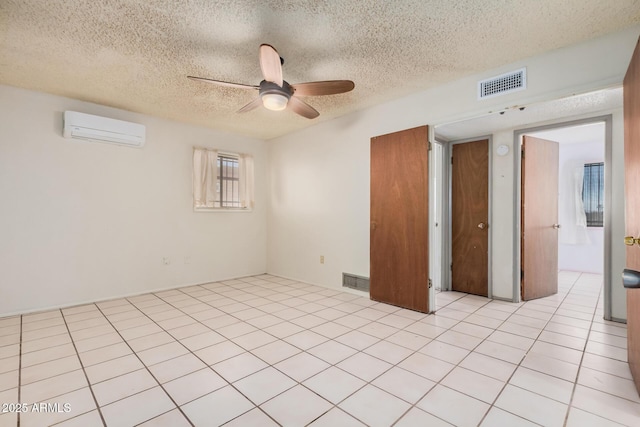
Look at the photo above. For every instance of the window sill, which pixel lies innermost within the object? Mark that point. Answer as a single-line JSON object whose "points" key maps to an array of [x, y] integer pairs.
{"points": [[226, 210]]}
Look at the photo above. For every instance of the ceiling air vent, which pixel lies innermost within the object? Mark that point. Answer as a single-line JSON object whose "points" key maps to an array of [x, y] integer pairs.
{"points": [[503, 84]]}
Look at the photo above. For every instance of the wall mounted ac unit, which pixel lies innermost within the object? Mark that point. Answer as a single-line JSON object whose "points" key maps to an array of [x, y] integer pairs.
{"points": [[101, 129]]}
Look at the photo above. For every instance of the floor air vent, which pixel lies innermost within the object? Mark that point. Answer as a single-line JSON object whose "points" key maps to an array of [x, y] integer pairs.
{"points": [[503, 84], [355, 282]]}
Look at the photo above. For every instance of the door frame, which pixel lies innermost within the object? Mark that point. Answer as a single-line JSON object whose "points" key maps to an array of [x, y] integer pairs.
{"points": [[608, 158], [448, 249], [437, 217]]}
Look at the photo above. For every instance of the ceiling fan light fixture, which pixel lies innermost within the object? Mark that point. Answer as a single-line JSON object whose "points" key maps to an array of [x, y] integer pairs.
{"points": [[275, 101], [275, 94]]}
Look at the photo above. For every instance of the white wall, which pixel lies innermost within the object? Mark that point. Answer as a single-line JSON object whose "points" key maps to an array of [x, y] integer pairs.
{"points": [[502, 206], [86, 221], [585, 257], [82, 222], [319, 177]]}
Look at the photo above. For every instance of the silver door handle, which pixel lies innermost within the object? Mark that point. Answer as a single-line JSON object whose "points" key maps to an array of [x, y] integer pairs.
{"points": [[482, 226], [556, 226], [631, 279]]}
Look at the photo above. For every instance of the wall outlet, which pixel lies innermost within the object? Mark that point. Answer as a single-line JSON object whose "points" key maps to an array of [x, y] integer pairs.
{"points": [[321, 259], [166, 260]]}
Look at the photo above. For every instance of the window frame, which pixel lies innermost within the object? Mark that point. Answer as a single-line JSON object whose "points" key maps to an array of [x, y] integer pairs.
{"points": [[220, 154], [589, 214], [224, 178]]}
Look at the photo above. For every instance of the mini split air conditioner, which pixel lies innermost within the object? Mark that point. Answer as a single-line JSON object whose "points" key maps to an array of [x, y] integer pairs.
{"points": [[101, 129]]}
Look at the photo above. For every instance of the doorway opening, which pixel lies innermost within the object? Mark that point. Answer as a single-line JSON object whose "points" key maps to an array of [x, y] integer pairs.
{"points": [[506, 129], [580, 195], [583, 224]]}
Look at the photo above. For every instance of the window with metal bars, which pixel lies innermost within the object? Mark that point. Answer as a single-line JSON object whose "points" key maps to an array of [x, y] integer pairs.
{"points": [[593, 194], [228, 191], [222, 181]]}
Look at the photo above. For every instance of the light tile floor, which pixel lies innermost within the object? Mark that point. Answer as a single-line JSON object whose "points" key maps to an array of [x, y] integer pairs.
{"points": [[266, 351]]}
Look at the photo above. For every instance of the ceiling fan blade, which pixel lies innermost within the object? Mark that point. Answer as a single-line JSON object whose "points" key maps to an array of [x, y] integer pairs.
{"points": [[270, 64], [251, 106], [300, 107], [221, 83], [328, 87]]}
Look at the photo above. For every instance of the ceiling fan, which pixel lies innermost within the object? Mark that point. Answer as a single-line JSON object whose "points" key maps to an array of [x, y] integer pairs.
{"points": [[276, 94]]}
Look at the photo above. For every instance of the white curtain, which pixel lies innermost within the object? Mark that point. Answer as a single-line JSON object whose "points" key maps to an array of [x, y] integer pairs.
{"points": [[205, 177], [573, 218], [246, 180]]}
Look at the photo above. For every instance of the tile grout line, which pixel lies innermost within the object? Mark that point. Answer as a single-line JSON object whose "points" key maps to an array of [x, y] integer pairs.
{"points": [[458, 321], [302, 351], [491, 405], [239, 320], [396, 365], [167, 331], [200, 359], [519, 364], [535, 340], [148, 371], [575, 384], [456, 365], [583, 351], [55, 359], [300, 383], [586, 342], [19, 372], [83, 371], [285, 320], [325, 321], [431, 340]]}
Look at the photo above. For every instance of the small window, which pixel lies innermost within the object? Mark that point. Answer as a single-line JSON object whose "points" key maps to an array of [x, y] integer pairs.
{"points": [[593, 194], [228, 187], [222, 181]]}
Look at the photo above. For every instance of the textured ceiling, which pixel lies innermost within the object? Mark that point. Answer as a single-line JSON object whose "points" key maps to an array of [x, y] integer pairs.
{"points": [[516, 118], [135, 54]]}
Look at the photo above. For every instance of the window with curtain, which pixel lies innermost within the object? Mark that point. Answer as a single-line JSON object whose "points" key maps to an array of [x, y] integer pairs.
{"points": [[222, 181], [593, 194]]}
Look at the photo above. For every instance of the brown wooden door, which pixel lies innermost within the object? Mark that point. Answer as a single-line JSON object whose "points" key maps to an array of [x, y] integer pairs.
{"points": [[469, 217], [539, 239], [399, 245], [632, 205]]}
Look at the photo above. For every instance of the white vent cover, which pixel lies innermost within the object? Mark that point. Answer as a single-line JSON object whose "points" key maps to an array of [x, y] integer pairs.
{"points": [[503, 84]]}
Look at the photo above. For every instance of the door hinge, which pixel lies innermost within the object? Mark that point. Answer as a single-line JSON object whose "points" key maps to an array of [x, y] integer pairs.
{"points": [[522, 153], [429, 142], [451, 266], [451, 159], [430, 284]]}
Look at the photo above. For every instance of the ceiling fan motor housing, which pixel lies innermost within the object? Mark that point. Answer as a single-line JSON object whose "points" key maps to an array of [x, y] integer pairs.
{"points": [[272, 88], [273, 96]]}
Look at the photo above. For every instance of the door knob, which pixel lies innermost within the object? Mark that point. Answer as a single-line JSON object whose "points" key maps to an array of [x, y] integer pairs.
{"points": [[482, 226], [630, 241], [630, 279], [556, 226]]}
